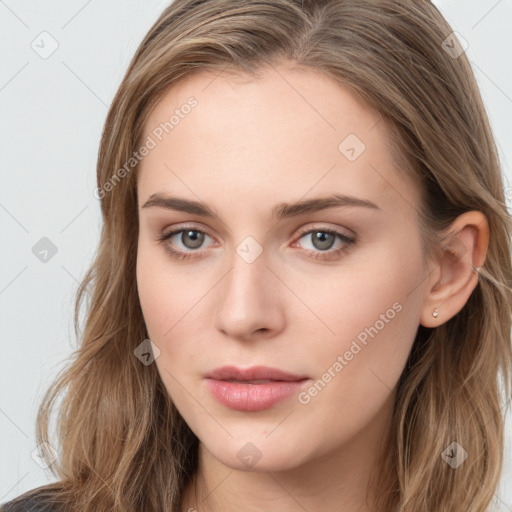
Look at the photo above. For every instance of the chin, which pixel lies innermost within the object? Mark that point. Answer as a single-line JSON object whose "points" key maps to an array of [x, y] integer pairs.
{"points": [[253, 453]]}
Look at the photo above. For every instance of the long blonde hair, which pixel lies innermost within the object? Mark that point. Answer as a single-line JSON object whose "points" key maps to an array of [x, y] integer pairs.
{"points": [[122, 444]]}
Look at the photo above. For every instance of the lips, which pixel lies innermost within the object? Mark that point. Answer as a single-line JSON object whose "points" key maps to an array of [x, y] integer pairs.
{"points": [[253, 389], [254, 374]]}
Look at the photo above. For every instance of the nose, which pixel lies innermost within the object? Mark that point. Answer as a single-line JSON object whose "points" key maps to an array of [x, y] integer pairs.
{"points": [[250, 301]]}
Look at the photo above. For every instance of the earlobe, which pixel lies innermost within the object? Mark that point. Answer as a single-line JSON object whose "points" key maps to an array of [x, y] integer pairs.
{"points": [[464, 251]]}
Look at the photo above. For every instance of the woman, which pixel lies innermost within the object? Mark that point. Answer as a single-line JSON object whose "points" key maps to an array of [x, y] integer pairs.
{"points": [[301, 297]]}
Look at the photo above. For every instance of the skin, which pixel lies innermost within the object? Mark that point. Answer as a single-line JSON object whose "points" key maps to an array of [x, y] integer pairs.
{"points": [[249, 145]]}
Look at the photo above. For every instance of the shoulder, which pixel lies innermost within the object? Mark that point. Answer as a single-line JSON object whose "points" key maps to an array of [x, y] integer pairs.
{"points": [[35, 500]]}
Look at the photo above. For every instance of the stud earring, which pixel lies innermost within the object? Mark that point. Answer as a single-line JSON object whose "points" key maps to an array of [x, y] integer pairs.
{"points": [[435, 313]]}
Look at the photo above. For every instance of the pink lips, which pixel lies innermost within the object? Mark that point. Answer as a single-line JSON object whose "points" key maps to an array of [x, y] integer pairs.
{"points": [[239, 389]]}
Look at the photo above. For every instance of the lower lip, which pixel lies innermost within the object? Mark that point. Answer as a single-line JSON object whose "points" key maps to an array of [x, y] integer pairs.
{"points": [[253, 397]]}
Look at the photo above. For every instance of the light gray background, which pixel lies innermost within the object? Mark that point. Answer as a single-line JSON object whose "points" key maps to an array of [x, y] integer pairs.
{"points": [[52, 111]]}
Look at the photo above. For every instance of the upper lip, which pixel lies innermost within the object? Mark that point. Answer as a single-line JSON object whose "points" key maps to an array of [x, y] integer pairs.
{"points": [[253, 373]]}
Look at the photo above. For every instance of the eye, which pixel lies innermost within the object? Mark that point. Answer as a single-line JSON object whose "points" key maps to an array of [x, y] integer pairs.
{"points": [[322, 241], [190, 239]]}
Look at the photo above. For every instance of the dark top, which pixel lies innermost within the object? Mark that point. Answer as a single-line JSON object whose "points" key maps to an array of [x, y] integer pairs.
{"points": [[38, 502]]}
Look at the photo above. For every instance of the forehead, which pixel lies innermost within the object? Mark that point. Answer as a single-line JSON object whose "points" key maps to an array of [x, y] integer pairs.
{"points": [[288, 128]]}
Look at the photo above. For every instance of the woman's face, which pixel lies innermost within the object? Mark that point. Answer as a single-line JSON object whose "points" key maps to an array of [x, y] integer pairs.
{"points": [[298, 249]]}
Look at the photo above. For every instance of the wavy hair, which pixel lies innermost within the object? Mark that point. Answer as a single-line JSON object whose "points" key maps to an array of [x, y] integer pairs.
{"points": [[122, 444]]}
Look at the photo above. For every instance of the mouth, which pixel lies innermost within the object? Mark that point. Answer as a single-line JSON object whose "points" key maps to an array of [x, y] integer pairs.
{"points": [[253, 375], [253, 389], [250, 381]]}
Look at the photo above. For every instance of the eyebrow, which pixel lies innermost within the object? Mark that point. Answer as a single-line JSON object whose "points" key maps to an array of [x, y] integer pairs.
{"points": [[280, 211]]}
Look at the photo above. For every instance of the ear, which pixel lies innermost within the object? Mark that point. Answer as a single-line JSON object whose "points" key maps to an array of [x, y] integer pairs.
{"points": [[456, 273]]}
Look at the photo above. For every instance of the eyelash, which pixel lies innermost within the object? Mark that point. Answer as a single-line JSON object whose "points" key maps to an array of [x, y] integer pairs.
{"points": [[332, 254]]}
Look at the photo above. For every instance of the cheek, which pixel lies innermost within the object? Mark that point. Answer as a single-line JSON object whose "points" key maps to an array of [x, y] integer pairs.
{"points": [[167, 297], [373, 310], [155, 301], [369, 290], [171, 300], [158, 291]]}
